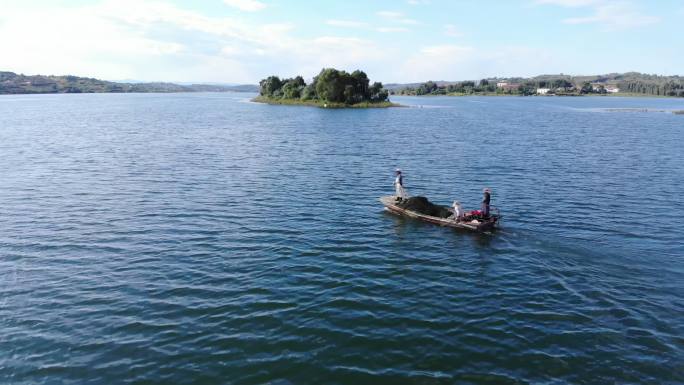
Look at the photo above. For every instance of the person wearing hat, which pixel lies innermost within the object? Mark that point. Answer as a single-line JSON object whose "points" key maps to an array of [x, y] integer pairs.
{"points": [[485, 201], [400, 192]]}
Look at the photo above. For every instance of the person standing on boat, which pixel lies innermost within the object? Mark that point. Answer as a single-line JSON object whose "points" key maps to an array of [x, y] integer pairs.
{"points": [[485, 201], [400, 192], [458, 211]]}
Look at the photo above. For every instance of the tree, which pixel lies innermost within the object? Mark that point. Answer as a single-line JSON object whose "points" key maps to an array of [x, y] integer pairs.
{"points": [[561, 83], [329, 85], [377, 93], [348, 93], [291, 90], [586, 88], [361, 82], [309, 92], [270, 85]]}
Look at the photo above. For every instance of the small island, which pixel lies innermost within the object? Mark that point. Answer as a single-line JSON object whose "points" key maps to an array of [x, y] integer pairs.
{"points": [[331, 88]]}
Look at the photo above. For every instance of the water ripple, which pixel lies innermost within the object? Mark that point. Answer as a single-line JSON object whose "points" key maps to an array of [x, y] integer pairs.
{"points": [[200, 239]]}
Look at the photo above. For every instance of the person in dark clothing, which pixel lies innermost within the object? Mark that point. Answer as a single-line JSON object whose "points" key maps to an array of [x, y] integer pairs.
{"points": [[400, 192], [485, 201]]}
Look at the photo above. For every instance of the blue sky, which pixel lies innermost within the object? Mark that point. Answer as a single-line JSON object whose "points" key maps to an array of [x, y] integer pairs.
{"points": [[242, 41]]}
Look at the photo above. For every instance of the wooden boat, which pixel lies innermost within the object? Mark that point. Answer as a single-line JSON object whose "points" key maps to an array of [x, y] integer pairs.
{"points": [[479, 225]]}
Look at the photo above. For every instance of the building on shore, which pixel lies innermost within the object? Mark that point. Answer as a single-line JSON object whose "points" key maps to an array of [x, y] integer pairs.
{"points": [[506, 86], [609, 88], [543, 91]]}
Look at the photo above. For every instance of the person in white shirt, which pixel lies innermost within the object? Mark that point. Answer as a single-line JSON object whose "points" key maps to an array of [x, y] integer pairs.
{"points": [[400, 192], [458, 211]]}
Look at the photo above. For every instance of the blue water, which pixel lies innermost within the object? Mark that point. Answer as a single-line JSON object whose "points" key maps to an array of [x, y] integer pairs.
{"points": [[203, 239]]}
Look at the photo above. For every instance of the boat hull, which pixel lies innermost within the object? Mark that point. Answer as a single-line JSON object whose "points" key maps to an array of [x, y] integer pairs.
{"points": [[390, 204]]}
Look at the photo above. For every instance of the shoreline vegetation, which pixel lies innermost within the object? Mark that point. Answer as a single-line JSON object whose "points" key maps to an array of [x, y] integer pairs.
{"points": [[322, 104], [631, 84], [16, 84], [331, 88], [625, 85]]}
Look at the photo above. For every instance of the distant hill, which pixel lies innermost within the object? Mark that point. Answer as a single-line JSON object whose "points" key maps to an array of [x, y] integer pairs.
{"points": [[398, 86], [629, 83], [12, 83]]}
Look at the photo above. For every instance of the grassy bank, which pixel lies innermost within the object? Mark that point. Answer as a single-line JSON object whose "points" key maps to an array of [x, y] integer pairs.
{"points": [[322, 104]]}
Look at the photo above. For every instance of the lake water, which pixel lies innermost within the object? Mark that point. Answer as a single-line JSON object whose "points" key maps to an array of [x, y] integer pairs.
{"points": [[203, 239]]}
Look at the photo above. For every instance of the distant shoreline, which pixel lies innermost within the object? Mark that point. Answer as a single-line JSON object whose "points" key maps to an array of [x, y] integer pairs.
{"points": [[614, 95], [19, 84]]}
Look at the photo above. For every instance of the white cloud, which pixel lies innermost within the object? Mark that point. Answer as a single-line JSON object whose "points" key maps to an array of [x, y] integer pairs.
{"points": [[452, 31], [610, 14], [418, 2], [396, 17], [391, 29], [390, 14], [150, 40], [568, 3], [346, 23], [447, 50], [615, 16], [462, 62], [246, 5]]}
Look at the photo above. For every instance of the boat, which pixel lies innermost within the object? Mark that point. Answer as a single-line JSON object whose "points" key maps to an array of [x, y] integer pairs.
{"points": [[473, 224]]}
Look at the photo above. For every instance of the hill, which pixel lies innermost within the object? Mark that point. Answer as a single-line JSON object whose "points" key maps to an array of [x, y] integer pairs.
{"points": [[630, 83], [12, 83]]}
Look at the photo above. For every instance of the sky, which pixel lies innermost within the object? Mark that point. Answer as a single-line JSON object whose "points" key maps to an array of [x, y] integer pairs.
{"points": [[243, 41]]}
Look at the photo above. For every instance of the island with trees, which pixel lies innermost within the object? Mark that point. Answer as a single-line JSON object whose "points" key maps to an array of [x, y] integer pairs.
{"points": [[331, 88]]}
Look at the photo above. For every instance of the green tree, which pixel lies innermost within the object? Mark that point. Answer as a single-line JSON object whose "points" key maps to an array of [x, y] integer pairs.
{"points": [[378, 93], [349, 96], [361, 82], [329, 85], [270, 85], [309, 92], [292, 88]]}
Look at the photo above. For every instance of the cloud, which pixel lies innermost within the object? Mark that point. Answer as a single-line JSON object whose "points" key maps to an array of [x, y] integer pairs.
{"points": [[396, 17], [453, 51], [346, 23], [462, 62], [418, 2], [246, 5], [452, 31], [615, 16], [610, 14], [391, 29], [568, 3], [150, 40], [390, 14]]}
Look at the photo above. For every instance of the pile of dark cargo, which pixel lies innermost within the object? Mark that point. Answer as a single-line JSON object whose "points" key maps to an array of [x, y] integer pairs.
{"points": [[424, 206]]}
